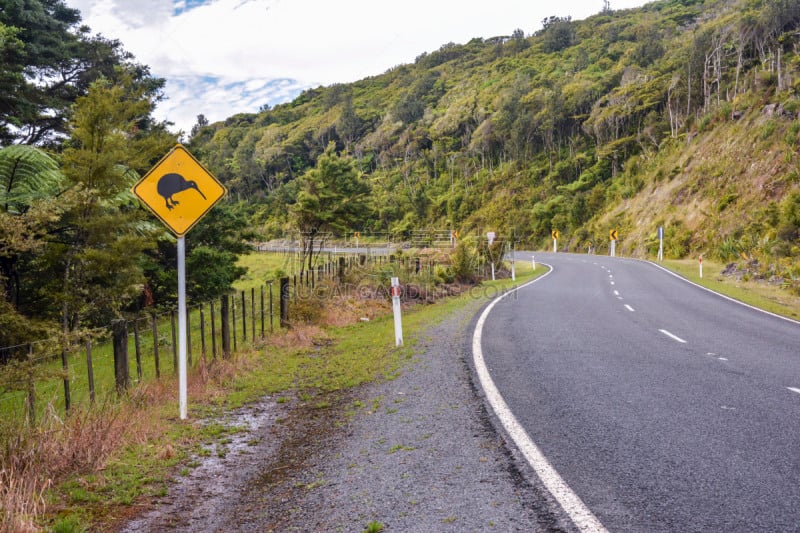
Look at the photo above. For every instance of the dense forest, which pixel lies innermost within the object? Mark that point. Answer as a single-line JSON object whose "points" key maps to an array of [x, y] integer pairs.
{"points": [[683, 114], [76, 132]]}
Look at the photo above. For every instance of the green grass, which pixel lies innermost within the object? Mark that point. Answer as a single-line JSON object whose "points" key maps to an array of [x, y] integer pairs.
{"points": [[764, 296]]}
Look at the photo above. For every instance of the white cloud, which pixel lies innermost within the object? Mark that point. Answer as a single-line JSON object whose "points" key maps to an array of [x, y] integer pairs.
{"points": [[219, 56]]}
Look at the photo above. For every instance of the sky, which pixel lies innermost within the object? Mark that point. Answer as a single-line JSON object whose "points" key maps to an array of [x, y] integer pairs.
{"points": [[223, 57]]}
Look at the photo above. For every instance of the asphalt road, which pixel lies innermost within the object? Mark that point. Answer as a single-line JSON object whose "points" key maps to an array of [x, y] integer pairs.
{"points": [[664, 407]]}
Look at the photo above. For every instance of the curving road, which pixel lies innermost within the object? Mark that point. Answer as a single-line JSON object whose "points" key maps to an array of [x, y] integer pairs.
{"points": [[663, 407]]}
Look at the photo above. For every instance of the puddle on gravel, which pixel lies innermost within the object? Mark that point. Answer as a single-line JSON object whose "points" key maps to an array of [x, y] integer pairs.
{"points": [[198, 500]]}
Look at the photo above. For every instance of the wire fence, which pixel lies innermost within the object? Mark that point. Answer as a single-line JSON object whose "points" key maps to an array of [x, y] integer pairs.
{"points": [[108, 361]]}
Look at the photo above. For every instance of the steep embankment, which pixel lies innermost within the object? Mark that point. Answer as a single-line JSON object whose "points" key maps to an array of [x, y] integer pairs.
{"points": [[728, 191]]}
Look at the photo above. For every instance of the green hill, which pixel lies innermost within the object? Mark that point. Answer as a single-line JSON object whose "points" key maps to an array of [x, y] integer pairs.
{"points": [[683, 113]]}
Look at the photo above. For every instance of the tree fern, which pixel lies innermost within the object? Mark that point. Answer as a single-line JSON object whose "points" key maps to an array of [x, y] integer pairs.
{"points": [[26, 174]]}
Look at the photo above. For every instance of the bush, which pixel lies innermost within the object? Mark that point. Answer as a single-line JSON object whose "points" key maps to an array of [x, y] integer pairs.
{"points": [[465, 260]]}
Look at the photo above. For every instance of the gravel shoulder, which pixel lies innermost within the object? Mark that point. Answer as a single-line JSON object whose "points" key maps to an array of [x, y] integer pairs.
{"points": [[416, 453]]}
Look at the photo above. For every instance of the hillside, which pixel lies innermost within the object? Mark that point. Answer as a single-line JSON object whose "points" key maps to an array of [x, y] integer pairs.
{"points": [[683, 113]]}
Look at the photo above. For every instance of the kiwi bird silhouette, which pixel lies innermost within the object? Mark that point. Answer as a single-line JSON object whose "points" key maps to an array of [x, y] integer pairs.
{"points": [[171, 184]]}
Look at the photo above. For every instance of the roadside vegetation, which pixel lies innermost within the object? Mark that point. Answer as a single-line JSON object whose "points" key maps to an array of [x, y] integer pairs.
{"points": [[726, 279], [96, 466]]}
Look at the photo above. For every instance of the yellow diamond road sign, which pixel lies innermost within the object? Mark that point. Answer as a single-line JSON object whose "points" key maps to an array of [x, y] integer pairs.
{"points": [[179, 190]]}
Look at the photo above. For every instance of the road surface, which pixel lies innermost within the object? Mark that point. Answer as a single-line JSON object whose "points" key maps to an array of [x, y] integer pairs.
{"points": [[661, 406]]}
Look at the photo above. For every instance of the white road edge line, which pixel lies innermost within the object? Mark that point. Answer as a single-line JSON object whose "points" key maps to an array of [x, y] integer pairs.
{"points": [[793, 389], [580, 515], [673, 337], [734, 300]]}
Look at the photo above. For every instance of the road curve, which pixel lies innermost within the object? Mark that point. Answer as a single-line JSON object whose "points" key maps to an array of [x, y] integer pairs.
{"points": [[662, 406]]}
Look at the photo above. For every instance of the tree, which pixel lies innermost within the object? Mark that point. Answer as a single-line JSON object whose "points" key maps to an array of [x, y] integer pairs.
{"points": [[97, 244], [201, 123], [29, 183], [47, 60], [558, 33], [333, 197]]}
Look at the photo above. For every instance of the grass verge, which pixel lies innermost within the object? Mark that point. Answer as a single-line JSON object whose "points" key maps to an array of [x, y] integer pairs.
{"points": [[758, 294]]}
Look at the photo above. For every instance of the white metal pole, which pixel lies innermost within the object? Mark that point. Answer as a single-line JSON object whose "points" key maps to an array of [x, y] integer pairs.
{"points": [[182, 326], [533, 261], [555, 245], [398, 320], [701, 265], [492, 270]]}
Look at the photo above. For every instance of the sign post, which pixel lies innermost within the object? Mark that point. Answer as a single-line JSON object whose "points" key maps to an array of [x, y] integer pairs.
{"points": [[490, 236], [396, 309], [613, 236], [179, 191], [701, 265], [661, 243], [554, 234]]}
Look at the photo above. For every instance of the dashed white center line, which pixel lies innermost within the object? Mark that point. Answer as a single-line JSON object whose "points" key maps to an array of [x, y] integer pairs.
{"points": [[629, 308], [616, 293], [612, 283], [793, 389], [672, 336]]}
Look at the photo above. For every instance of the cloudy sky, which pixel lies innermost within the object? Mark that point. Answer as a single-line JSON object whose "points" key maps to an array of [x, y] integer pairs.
{"points": [[222, 57]]}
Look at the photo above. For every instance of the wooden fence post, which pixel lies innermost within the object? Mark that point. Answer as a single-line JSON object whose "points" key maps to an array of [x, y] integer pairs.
{"points": [[31, 389], [224, 310], [262, 311], [90, 370], [138, 349], [65, 367], [244, 320], [155, 346], [271, 330], [119, 329], [253, 312], [233, 319], [213, 334], [284, 302], [203, 335]]}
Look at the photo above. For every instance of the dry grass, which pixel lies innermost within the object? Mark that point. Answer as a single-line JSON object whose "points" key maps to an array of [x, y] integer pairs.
{"points": [[82, 443], [35, 458]]}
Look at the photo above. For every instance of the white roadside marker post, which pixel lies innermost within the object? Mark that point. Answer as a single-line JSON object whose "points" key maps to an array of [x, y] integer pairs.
{"points": [[701, 265], [513, 270], [533, 262], [398, 320]]}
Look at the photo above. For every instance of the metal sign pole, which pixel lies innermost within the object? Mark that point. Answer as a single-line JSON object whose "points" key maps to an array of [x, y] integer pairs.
{"points": [[182, 326], [661, 243]]}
